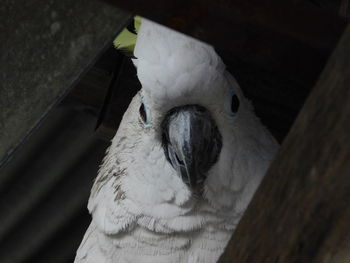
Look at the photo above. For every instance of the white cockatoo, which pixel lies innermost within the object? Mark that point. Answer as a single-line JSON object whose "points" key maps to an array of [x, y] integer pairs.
{"points": [[184, 164]]}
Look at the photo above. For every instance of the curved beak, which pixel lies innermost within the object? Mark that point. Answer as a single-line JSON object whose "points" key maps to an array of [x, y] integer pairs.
{"points": [[191, 142]]}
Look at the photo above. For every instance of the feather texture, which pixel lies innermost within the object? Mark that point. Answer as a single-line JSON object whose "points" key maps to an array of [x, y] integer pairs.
{"points": [[141, 209]]}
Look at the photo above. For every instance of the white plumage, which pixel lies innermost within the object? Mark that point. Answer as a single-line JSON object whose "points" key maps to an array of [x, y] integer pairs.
{"points": [[142, 210]]}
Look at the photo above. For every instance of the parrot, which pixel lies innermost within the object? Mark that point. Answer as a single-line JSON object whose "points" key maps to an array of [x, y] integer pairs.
{"points": [[184, 163]]}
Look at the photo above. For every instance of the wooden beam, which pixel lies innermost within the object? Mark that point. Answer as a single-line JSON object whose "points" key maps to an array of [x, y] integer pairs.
{"points": [[122, 89], [290, 38], [301, 211]]}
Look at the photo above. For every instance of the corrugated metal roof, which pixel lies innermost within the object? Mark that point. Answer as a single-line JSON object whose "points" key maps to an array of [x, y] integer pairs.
{"points": [[45, 187]]}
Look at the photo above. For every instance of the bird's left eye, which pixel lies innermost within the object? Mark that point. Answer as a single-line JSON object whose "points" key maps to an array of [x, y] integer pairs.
{"points": [[145, 115], [234, 103]]}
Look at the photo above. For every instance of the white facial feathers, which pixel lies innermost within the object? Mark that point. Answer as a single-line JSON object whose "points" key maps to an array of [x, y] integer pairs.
{"points": [[138, 195], [173, 67]]}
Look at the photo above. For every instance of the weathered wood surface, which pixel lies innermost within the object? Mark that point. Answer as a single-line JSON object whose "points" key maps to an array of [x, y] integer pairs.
{"points": [[301, 211]]}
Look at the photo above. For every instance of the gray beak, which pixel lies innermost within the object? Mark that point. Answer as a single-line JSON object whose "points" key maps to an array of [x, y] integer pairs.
{"points": [[191, 142]]}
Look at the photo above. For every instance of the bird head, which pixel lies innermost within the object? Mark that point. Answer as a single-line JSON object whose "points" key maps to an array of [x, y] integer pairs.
{"points": [[188, 137]]}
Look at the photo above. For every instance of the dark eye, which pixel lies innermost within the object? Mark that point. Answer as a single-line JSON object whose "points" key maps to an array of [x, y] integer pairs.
{"points": [[143, 114], [234, 104]]}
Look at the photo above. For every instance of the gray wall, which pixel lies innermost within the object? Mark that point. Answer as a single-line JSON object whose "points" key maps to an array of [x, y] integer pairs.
{"points": [[45, 46]]}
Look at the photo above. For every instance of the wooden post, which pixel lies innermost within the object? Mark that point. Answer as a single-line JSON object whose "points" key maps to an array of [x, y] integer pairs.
{"points": [[301, 211]]}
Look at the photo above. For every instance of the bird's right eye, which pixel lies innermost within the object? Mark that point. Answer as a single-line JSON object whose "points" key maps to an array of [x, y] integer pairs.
{"points": [[144, 114]]}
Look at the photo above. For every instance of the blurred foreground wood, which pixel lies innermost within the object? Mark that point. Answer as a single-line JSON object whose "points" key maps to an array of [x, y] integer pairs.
{"points": [[301, 211]]}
